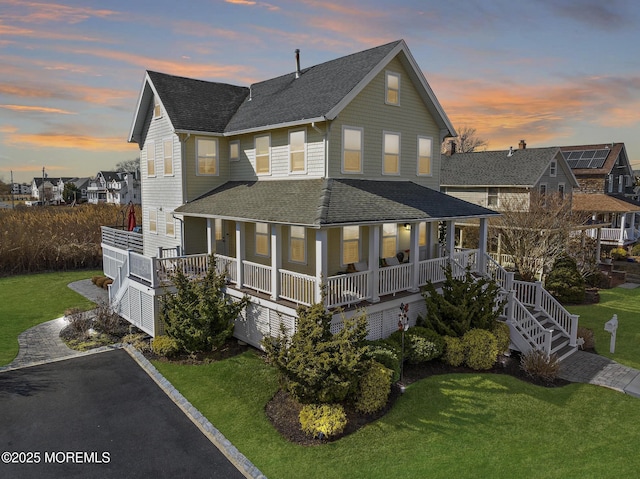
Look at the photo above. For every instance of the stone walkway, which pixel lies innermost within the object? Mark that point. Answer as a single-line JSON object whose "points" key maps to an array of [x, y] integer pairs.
{"points": [[583, 367]]}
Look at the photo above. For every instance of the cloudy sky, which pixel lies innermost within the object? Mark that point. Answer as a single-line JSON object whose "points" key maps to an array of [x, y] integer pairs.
{"points": [[553, 72]]}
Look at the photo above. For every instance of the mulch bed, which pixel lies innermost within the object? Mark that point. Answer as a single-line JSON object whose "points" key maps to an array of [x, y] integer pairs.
{"points": [[283, 411], [231, 348]]}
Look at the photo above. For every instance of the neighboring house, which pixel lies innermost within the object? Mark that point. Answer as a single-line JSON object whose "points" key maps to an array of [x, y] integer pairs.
{"points": [[22, 189], [607, 190], [82, 185], [321, 185], [116, 187], [51, 192]]}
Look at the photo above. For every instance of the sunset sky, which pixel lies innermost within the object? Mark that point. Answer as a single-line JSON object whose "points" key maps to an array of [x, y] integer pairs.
{"points": [[552, 72]]}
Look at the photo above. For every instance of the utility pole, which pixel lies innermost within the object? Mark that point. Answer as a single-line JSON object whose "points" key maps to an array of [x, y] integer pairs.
{"points": [[13, 206], [42, 199]]}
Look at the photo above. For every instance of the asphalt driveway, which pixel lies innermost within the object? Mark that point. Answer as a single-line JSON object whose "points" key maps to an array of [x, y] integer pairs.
{"points": [[98, 416]]}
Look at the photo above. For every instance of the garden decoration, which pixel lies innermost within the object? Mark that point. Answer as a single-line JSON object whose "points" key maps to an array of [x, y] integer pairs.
{"points": [[403, 325]]}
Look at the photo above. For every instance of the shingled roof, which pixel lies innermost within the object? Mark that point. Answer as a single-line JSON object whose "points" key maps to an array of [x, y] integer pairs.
{"points": [[326, 202], [316, 94], [496, 168]]}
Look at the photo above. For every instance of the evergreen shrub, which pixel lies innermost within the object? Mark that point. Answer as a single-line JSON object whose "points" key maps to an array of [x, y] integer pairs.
{"points": [[374, 388], [453, 351], [323, 420], [481, 349]]}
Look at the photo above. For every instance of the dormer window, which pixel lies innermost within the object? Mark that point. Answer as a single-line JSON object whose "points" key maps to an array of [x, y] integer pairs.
{"points": [[157, 108], [553, 169], [392, 88]]}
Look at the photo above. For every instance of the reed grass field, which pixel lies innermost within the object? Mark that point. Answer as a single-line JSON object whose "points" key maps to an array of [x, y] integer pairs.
{"points": [[55, 238]]}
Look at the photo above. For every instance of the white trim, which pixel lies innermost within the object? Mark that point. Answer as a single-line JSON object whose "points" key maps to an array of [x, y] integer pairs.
{"points": [[255, 154], [361, 130], [217, 157], [304, 151], [387, 74], [384, 152], [424, 137]]}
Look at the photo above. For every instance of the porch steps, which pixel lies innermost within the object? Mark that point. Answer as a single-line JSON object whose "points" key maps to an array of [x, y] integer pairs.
{"points": [[559, 340]]}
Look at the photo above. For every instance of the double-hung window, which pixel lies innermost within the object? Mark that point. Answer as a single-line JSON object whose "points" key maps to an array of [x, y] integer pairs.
{"points": [[553, 169], [350, 244], [391, 160], [168, 156], [157, 108], [392, 96], [170, 226], [297, 244], [425, 148], [296, 151], [263, 154], [151, 159], [389, 239], [492, 197], [262, 239], [207, 156], [234, 150], [153, 220], [351, 150]]}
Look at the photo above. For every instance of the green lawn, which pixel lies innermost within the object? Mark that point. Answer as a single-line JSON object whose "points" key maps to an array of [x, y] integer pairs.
{"points": [[626, 304], [465, 425], [27, 300]]}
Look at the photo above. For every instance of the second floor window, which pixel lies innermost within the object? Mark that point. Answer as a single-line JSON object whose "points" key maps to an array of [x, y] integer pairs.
{"points": [[391, 163], [262, 239], [425, 146], [553, 169], [351, 150], [168, 157], [234, 150], [207, 156], [151, 159], [296, 151], [263, 161], [492, 197], [153, 220]]}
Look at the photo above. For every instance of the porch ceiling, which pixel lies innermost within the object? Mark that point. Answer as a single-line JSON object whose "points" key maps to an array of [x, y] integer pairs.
{"points": [[326, 202]]}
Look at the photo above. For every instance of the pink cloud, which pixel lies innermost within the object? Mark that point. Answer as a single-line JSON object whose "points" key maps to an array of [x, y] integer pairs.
{"points": [[252, 3], [41, 12], [36, 109]]}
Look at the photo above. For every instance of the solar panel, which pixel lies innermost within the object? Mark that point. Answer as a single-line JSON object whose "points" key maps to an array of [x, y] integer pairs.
{"points": [[566, 154], [572, 163], [601, 154], [588, 154], [575, 155], [597, 163], [583, 163]]}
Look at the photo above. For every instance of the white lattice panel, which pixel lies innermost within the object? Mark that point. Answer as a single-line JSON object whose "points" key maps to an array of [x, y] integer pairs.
{"points": [[375, 327]]}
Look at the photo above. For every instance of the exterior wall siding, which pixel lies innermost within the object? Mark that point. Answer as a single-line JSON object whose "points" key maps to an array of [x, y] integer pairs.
{"points": [[370, 112], [198, 185]]}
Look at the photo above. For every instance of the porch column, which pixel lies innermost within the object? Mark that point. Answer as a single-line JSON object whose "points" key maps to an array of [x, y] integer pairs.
{"points": [[414, 253], [374, 268], [321, 263], [240, 237], [276, 260], [451, 232], [210, 236], [430, 236], [622, 222], [483, 236]]}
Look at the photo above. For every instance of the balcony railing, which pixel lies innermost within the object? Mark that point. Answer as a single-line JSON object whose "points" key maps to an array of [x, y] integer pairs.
{"points": [[122, 239]]}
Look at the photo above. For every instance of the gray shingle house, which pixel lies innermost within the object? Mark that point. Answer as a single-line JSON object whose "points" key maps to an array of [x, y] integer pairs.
{"points": [[322, 184]]}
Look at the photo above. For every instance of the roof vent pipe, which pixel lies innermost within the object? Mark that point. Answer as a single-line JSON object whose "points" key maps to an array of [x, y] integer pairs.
{"points": [[297, 63], [510, 151], [522, 145]]}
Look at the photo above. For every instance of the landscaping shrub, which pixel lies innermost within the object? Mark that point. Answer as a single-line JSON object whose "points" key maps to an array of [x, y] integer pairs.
{"points": [[317, 366], [464, 304], [481, 349], [537, 364], [79, 322], [503, 336], [106, 283], [565, 282], [107, 321], [200, 316], [323, 420], [164, 346], [635, 251], [374, 388], [453, 351], [386, 353], [618, 253], [588, 336], [94, 279], [420, 344], [100, 281], [140, 341]]}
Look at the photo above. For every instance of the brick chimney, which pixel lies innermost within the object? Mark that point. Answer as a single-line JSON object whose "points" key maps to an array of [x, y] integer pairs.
{"points": [[522, 145], [451, 150]]}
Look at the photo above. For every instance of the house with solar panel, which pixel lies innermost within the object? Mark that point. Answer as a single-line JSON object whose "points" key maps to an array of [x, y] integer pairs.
{"points": [[606, 191], [318, 186]]}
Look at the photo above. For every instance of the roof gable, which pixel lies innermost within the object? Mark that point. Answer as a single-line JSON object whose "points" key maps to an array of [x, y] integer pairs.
{"points": [[320, 92], [523, 168]]}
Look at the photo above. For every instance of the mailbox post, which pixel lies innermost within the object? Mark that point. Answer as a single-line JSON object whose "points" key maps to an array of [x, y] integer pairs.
{"points": [[611, 326]]}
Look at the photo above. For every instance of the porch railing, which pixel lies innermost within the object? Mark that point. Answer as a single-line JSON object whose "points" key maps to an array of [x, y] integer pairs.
{"points": [[393, 279], [257, 276], [297, 287], [432, 270], [347, 289], [192, 266], [122, 239], [227, 265]]}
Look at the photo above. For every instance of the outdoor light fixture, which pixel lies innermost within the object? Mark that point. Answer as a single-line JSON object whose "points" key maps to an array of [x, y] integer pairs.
{"points": [[407, 226]]}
